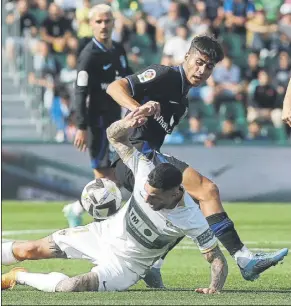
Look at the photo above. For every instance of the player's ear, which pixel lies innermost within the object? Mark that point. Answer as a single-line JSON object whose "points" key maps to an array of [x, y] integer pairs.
{"points": [[187, 56]]}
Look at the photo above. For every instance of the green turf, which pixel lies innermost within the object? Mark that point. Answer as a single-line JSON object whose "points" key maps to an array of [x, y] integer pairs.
{"points": [[260, 226]]}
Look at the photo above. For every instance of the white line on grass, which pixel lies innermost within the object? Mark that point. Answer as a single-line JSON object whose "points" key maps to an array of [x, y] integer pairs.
{"points": [[185, 245]]}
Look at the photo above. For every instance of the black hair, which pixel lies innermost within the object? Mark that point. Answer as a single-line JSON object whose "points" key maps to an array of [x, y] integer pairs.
{"points": [[165, 176], [209, 46]]}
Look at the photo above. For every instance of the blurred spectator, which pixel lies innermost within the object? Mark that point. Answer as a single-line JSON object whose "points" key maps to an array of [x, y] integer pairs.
{"points": [[252, 70], [211, 13], [45, 72], [237, 12], [56, 29], [225, 84], [60, 112], [40, 12], [197, 133], [271, 7], [68, 76], [155, 9], [142, 40], [263, 104], [285, 20], [23, 25], [177, 46], [136, 61], [166, 27], [259, 31], [84, 30], [229, 132], [255, 132], [72, 45], [198, 25], [282, 74]]}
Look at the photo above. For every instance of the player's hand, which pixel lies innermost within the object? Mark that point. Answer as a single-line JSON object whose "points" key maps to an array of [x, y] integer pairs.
{"points": [[149, 109], [286, 116], [207, 291], [135, 119], [81, 140]]}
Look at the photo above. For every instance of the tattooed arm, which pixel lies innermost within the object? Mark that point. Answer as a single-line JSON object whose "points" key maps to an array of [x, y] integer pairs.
{"points": [[118, 134], [219, 271]]}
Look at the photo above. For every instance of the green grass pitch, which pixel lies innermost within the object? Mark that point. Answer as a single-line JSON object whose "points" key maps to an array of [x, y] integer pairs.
{"points": [[261, 226]]}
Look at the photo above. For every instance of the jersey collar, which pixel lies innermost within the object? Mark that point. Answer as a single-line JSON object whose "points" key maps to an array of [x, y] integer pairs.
{"points": [[100, 45], [185, 85]]}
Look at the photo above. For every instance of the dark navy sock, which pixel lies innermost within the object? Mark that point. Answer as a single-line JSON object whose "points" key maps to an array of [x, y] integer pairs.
{"points": [[224, 230]]}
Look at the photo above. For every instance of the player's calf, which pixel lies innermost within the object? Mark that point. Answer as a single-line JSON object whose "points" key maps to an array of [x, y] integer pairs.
{"points": [[80, 283]]}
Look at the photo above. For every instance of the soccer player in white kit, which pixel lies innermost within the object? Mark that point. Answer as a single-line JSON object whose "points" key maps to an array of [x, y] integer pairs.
{"points": [[126, 245]]}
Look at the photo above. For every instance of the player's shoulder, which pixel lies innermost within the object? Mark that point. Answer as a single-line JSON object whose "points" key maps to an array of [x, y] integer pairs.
{"points": [[158, 72], [118, 46], [90, 50]]}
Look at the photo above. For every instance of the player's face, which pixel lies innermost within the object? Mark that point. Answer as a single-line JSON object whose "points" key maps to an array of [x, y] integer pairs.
{"points": [[102, 25], [198, 67], [159, 199]]}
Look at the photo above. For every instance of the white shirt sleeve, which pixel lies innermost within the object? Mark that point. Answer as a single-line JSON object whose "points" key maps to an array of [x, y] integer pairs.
{"points": [[139, 164]]}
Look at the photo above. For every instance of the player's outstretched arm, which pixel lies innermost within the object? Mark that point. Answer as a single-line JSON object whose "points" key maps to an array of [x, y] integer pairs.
{"points": [[286, 113], [118, 134], [219, 271]]}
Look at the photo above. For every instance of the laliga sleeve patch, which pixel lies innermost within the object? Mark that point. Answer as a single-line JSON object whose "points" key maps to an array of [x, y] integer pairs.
{"points": [[147, 75], [82, 78]]}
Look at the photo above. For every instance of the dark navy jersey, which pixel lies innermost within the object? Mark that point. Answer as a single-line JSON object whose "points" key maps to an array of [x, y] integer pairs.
{"points": [[97, 68], [169, 87]]}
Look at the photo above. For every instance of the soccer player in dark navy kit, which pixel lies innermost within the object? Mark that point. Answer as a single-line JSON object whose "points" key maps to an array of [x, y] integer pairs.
{"points": [[101, 62], [162, 91]]}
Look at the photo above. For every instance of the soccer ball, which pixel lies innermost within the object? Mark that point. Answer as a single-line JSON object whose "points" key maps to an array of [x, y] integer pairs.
{"points": [[101, 198]]}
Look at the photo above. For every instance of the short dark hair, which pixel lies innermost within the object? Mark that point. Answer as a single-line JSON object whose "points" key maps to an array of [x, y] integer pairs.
{"points": [[208, 45], [165, 176]]}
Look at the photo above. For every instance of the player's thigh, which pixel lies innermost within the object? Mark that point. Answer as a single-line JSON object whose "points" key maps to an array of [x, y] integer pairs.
{"points": [[82, 242], [113, 275], [124, 175], [98, 146]]}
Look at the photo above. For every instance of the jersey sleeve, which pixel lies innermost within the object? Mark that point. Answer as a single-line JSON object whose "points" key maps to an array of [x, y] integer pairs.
{"points": [[147, 79], [81, 89], [139, 164], [197, 229]]}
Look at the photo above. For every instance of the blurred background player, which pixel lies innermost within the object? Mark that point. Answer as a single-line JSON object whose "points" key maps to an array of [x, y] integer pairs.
{"points": [[101, 62]]}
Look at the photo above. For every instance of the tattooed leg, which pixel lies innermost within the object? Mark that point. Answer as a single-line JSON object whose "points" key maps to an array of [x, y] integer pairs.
{"points": [[44, 248]]}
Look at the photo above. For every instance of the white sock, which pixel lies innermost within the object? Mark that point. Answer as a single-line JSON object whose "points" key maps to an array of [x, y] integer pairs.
{"points": [[158, 264], [40, 281], [7, 254], [243, 256], [77, 208]]}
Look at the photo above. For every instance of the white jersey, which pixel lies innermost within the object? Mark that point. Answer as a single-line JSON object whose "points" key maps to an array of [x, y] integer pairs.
{"points": [[139, 235]]}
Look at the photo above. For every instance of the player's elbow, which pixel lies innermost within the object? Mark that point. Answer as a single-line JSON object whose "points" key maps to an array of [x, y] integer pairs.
{"points": [[112, 87]]}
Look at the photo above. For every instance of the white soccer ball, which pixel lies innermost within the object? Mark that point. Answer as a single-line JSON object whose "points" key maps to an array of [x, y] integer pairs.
{"points": [[101, 198]]}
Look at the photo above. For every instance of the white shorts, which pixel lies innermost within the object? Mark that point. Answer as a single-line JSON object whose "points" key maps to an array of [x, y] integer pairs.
{"points": [[86, 242]]}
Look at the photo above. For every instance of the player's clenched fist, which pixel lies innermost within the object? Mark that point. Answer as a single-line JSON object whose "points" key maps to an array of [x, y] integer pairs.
{"points": [[206, 291], [149, 109]]}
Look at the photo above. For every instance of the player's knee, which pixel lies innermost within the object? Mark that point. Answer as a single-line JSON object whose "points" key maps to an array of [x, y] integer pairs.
{"points": [[26, 250]]}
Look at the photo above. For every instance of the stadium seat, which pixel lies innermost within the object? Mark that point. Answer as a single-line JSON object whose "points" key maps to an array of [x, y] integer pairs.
{"points": [[233, 109], [205, 110], [278, 135], [212, 124]]}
